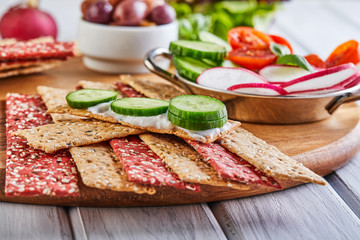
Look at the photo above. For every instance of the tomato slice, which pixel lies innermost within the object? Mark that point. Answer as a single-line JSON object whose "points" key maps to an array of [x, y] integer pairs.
{"points": [[344, 53], [282, 41], [248, 38], [252, 58], [315, 61]]}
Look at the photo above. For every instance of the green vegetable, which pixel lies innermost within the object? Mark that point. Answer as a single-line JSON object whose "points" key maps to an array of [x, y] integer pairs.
{"points": [[189, 68], [85, 98], [139, 106], [209, 37], [279, 50], [295, 60]]}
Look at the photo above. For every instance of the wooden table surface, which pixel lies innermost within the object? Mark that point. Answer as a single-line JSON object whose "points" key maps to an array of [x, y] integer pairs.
{"points": [[305, 212]]}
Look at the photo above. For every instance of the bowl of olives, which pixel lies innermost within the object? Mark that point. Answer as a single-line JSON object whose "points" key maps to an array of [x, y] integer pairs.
{"points": [[115, 35]]}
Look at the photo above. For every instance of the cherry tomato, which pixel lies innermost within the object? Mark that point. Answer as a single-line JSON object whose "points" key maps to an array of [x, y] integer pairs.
{"points": [[252, 58], [248, 38], [282, 41], [344, 53], [315, 61]]}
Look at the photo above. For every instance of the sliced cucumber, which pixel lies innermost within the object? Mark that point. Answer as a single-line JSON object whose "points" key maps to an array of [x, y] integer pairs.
{"points": [[196, 125], [139, 106], [209, 37], [197, 107], [197, 50], [85, 98], [211, 63], [228, 63], [189, 68]]}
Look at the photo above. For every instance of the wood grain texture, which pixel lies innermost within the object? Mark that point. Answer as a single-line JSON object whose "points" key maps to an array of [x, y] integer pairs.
{"points": [[33, 222], [177, 222], [316, 213]]}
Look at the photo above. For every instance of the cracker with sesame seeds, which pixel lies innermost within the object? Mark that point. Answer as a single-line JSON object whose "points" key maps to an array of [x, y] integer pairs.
{"points": [[31, 172], [230, 166], [127, 91], [54, 97], [33, 68], [185, 161], [143, 166], [96, 85], [53, 137], [99, 168], [152, 88], [183, 133], [267, 158]]}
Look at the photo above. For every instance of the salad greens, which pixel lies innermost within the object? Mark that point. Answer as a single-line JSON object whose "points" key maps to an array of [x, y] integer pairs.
{"points": [[219, 17]]}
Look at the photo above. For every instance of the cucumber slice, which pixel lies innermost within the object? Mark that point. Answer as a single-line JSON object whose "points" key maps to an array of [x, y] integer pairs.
{"points": [[196, 125], [209, 37], [210, 62], [228, 63], [189, 68], [197, 107], [139, 106], [85, 98], [197, 50]]}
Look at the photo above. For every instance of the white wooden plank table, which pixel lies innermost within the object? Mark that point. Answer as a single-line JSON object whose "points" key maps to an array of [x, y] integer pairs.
{"points": [[305, 212]]}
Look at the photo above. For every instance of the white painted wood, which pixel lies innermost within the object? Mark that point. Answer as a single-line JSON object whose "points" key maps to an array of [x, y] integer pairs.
{"points": [[175, 222], [305, 212], [31, 222]]}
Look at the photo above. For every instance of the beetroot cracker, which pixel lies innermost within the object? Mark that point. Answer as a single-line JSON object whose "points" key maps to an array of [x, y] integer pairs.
{"points": [[31, 172], [36, 50], [231, 167], [143, 166], [127, 90]]}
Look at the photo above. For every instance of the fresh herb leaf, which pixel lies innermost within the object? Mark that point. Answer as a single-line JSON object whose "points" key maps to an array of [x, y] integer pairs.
{"points": [[279, 50], [295, 60]]}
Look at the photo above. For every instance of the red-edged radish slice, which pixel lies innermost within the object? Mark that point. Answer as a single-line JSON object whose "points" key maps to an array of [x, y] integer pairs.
{"points": [[321, 80], [258, 88], [318, 91], [224, 77], [352, 81], [279, 74]]}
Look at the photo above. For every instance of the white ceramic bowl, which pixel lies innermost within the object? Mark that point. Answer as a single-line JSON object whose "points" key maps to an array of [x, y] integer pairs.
{"points": [[117, 49]]}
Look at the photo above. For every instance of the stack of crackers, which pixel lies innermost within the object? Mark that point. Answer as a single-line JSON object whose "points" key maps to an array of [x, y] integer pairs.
{"points": [[43, 150], [37, 55]]}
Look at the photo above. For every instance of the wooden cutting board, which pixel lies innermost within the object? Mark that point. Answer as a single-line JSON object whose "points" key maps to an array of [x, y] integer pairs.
{"points": [[322, 146]]}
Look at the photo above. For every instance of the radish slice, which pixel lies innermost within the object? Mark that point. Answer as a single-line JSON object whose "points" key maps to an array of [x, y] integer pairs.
{"points": [[352, 81], [279, 74], [324, 79], [224, 77], [318, 91], [258, 88]]}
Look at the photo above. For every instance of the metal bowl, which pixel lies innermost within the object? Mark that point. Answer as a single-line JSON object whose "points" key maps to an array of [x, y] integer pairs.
{"points": [[258, 108]]}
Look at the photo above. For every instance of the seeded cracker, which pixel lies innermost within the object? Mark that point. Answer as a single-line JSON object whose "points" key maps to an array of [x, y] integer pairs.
{"points": [[99, 168], [143, 166], [96, 85], [185, 161], [152, 88], [230, 166], [31, 172], [127, 91], [29, 70], [53, 137], [176, 131], [267, 158]]}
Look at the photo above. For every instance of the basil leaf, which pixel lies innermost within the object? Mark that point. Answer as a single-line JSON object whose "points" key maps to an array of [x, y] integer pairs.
{"points": [[295, 60], [279, 50]]}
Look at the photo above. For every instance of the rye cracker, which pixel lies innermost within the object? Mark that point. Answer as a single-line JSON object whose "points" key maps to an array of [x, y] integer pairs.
{"points": [[143, 166], [230, 166], [53, 137], [96, 85], [267, 158], [31, 172], [99, 168], [55, 97], [173, 130], [29, 69], [152, 87], [185, 161]]}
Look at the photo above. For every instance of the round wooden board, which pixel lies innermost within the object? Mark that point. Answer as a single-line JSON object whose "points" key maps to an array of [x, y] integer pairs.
{"points": [[322, 146]]}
